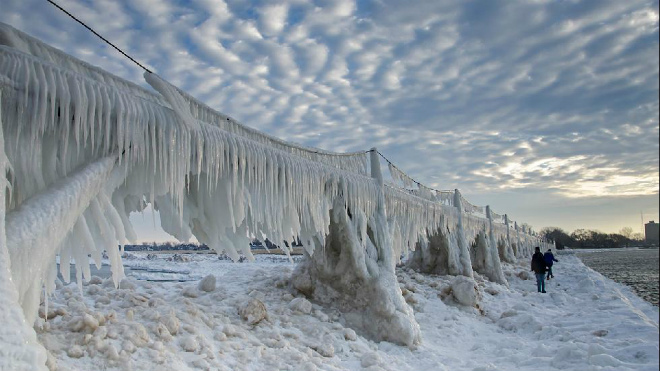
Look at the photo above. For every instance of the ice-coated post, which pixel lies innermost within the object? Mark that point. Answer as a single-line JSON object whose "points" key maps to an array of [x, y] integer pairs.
{"points": [[457, 201], [491, 236], [20, 348], [375, 166], [363, 284], [520, 248], [526, 240], [506, 222], [463, 246], [489, 217]]}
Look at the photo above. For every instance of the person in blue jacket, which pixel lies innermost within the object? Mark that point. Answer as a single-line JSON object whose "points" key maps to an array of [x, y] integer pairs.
{"points": [[549, 260]]}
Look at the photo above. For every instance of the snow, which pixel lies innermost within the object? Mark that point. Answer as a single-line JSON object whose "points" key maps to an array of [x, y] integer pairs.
{"points": [[207, 283], [585, 322]]}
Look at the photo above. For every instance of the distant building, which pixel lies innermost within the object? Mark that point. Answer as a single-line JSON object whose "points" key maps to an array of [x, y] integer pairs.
{"points": [[651, 230]]}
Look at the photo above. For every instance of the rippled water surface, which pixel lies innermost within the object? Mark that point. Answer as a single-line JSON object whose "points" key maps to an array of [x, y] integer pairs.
{"points": [[636, 268]]}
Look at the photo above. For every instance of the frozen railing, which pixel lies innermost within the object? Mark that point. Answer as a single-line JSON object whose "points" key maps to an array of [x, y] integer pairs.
{"points": [[18, 40], [58, 119], [497, 218], [476, 218], [469, 208], [446, 197], [351, 161], [101, 79], [51, 83], [208, 175]]}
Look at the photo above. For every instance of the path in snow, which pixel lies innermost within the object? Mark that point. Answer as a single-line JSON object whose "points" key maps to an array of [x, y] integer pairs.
{"points": [[585, 322]]}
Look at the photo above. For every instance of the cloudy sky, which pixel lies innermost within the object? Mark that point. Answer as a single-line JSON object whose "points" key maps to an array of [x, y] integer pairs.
{"points": [[546, 110]]}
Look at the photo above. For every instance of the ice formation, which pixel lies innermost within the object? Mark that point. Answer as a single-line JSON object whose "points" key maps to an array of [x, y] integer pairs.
{"points": [[353, 269], [19, 348], [84, 148]]}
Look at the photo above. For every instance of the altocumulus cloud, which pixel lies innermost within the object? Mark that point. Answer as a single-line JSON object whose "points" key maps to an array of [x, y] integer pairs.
{"points": [[560, 97]]}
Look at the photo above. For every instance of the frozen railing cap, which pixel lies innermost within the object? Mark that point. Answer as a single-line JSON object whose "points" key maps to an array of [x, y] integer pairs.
{"points": [[498, 218], [446, 197], [18, 40], [469, 208], [350, 161]]}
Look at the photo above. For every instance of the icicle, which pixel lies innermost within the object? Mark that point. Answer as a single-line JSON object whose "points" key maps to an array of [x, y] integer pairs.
{"points": [[173, 97]]}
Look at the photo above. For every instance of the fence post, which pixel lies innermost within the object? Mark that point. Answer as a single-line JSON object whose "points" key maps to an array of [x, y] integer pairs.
{"points": [[457, 201], [375, 166], [490, 220], [519, 248], [463, 245], [508, 236]]}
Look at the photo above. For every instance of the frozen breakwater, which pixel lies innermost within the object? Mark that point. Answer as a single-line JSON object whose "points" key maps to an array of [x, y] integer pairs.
{"points": [[82, 149]]}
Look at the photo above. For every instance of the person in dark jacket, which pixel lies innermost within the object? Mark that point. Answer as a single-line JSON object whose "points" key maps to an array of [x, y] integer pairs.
{"points": [[538, 266], [549, 260]]}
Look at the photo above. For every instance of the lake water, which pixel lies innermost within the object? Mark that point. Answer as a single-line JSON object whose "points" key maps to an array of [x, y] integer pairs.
{"points": [[137, 272], [636, 268]]}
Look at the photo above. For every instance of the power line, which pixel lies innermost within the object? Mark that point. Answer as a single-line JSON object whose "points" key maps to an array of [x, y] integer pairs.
{"points": [[97, 34], [413, 180]]}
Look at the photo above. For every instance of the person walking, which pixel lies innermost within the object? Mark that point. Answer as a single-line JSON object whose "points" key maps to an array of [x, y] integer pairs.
{"points": [[539, 268], [549, 260]]}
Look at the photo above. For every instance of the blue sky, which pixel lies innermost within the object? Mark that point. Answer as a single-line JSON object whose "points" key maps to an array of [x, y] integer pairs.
{"points": [[546, 110]]}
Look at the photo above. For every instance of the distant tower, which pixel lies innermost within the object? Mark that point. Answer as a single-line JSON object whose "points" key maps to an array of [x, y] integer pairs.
{"points": [[651, 231]]}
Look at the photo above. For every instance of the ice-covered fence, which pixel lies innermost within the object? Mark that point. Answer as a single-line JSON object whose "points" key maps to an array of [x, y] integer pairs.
{"points": [[85, 148], [456, 226], [351, 161], [442, 226]]}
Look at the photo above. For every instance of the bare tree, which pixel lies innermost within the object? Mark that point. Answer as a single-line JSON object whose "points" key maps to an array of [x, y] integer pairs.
{"points": [[626, 232], [637, 236]]}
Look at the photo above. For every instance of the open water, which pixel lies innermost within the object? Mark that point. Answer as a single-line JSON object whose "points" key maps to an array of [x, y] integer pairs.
{"points": [[636, 268]]}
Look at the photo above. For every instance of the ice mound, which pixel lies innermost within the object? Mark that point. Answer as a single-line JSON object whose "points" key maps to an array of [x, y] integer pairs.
{"points": [[253, 311]]}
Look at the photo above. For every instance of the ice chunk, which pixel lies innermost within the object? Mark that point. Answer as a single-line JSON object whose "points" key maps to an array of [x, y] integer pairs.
{"points": [[301, 305], [349, 334], [75, 351], [465, 291], [253, 311], [189, 343], [171, 322], [207, 283]]}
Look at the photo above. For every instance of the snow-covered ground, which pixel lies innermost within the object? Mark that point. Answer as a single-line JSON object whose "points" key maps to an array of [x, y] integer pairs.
{"points": [[584, 322]]}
